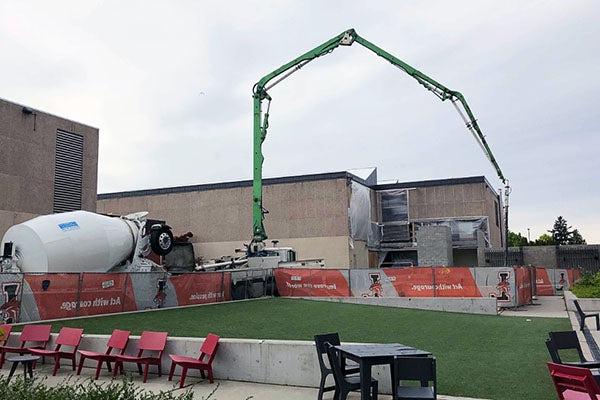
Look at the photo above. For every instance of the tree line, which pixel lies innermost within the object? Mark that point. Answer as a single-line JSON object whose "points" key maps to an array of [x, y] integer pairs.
{"points": [[561, 233]]}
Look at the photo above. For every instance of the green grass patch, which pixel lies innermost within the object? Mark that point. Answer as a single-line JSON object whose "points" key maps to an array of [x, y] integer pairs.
{"points": [[588, 286], [481, 356]]}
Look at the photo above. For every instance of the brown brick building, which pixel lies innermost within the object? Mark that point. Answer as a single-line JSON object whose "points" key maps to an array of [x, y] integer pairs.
{"points": [[47, 164]]}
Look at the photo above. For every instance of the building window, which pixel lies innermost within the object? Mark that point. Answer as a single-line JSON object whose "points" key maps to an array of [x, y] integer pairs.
{"points": [[497, 213], [68, 171]]}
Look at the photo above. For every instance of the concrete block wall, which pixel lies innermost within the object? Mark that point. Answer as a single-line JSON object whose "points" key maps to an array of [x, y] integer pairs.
{"points": [[278, 362], [434, 245]]}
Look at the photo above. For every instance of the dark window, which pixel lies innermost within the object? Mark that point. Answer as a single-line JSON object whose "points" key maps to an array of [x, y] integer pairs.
{"points": [[68, 172], [497, 213]]}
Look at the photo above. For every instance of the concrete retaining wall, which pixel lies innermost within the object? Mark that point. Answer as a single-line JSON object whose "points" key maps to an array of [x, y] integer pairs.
{"points": [[279, 362], [586, 304], [479, 305]]}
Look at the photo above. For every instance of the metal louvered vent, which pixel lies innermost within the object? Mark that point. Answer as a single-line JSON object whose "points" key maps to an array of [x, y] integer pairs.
{"points": [[68, 171]]}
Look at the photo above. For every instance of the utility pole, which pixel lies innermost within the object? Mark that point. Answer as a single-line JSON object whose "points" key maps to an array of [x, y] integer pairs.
{"points": [[528, 238]]}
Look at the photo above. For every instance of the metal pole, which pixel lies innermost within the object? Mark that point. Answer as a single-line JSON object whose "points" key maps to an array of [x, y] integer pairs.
{"points": [[506, 194]]}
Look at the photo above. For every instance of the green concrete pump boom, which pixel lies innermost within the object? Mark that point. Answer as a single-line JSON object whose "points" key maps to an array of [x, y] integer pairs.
{"points": [[347, 38]]}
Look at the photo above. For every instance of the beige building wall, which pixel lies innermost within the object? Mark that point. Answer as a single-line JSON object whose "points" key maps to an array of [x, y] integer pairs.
{"points": [[27, 143], [311, 216]]}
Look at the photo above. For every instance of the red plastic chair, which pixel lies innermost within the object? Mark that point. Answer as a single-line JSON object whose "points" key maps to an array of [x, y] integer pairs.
{"points": [[66, 337], [574, 383], [208, 350], [31, 333], [149, 341], [118, 340]]}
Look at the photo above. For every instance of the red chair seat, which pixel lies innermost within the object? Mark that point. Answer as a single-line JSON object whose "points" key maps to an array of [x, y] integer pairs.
{"points": [[117, 341], [149, 342], [187, 360], [70, 337], [92, 354], [208, 350], [38, 334], [43, 352], [573, 395], [128, 358], [15, 349]]}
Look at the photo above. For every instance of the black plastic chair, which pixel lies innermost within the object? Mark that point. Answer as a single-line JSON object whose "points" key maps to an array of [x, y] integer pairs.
{"points": [[420, 369], [344, 384], [334, 340], [568, 340], [583, 316]]}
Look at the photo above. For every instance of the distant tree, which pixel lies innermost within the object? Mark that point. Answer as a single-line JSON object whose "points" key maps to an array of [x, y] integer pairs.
{"points": [[576, 238], [516, 240], [561, 232], [544, 240]]}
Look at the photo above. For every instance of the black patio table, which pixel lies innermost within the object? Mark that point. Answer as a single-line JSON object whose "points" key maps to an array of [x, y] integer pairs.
{"points": [[367, 355]]}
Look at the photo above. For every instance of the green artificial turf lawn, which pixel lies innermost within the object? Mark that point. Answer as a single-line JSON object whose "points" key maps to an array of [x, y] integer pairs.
{"points": [[482, 356]]}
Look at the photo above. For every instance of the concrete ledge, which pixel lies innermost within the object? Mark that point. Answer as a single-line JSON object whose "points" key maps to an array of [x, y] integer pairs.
{"points": [[479, 305], [586, 304], [279, 362]]}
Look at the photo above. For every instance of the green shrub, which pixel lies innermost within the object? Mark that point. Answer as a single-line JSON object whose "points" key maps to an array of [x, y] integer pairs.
{"points": [[80, 389], [588, 286]]}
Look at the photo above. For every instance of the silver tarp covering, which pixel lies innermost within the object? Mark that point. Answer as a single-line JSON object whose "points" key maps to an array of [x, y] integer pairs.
{"points": [[464, 230]]}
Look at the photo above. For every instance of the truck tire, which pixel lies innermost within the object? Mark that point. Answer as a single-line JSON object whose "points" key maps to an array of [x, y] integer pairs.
{"points": [[161, 241]]}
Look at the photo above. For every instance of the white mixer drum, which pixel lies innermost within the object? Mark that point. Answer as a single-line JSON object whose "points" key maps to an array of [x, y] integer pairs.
{"points": [[77, 241]]}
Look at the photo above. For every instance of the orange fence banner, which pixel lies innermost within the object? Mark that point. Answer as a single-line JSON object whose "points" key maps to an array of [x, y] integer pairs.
{"points": [[56, 295], [299, 282], [201, 288], [105, 293]]}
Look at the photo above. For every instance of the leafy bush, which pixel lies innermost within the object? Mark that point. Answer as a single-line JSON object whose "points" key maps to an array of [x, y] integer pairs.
{"points": [[80, 389], [588, 286]]}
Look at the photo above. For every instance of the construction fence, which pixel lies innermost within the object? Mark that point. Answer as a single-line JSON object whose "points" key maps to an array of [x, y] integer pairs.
{"points": [[512, 286], [36, 297]]}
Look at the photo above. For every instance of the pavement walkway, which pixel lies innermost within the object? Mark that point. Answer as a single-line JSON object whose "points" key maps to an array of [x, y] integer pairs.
{"points": [[543, 306], [202, 390]]}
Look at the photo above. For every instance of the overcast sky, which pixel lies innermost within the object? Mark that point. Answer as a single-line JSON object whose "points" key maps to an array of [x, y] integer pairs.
{"points": [[169, 85]]}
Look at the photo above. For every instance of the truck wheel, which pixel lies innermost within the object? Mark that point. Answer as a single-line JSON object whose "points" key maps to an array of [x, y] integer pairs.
{"points": [[161, 241]]}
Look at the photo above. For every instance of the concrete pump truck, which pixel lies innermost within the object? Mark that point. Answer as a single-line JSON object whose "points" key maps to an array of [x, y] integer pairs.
{"points": [[261, 123]]}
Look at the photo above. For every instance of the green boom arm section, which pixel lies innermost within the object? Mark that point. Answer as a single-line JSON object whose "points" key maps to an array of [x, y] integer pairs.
{"points": [[347, 38]]}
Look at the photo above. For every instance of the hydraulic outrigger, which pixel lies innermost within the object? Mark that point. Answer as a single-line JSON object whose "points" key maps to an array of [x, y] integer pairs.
{"points": [[347, 38]]}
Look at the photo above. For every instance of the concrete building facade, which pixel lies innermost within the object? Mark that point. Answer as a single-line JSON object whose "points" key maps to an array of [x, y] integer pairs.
{"points": [[336, 216], [47, 164]]}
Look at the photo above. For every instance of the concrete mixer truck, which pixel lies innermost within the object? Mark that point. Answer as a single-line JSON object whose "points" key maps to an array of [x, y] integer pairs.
{"points": [[82, 241]]}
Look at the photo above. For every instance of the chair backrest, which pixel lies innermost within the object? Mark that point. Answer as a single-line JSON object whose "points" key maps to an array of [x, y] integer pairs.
{"points": [[209, 347], [578, 307], [153, 341], [334, 361], [554, 356], [577, 379], [69, 336], [566, 340], [35, 333], [320, 340], [415, 369], [118, 340], [4, 333]]}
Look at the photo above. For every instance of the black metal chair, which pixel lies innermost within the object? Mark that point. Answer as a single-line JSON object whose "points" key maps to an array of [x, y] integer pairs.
{"points": [[344, 384], [568, 340], [583, 316], [334, 340], [422, 369]]}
